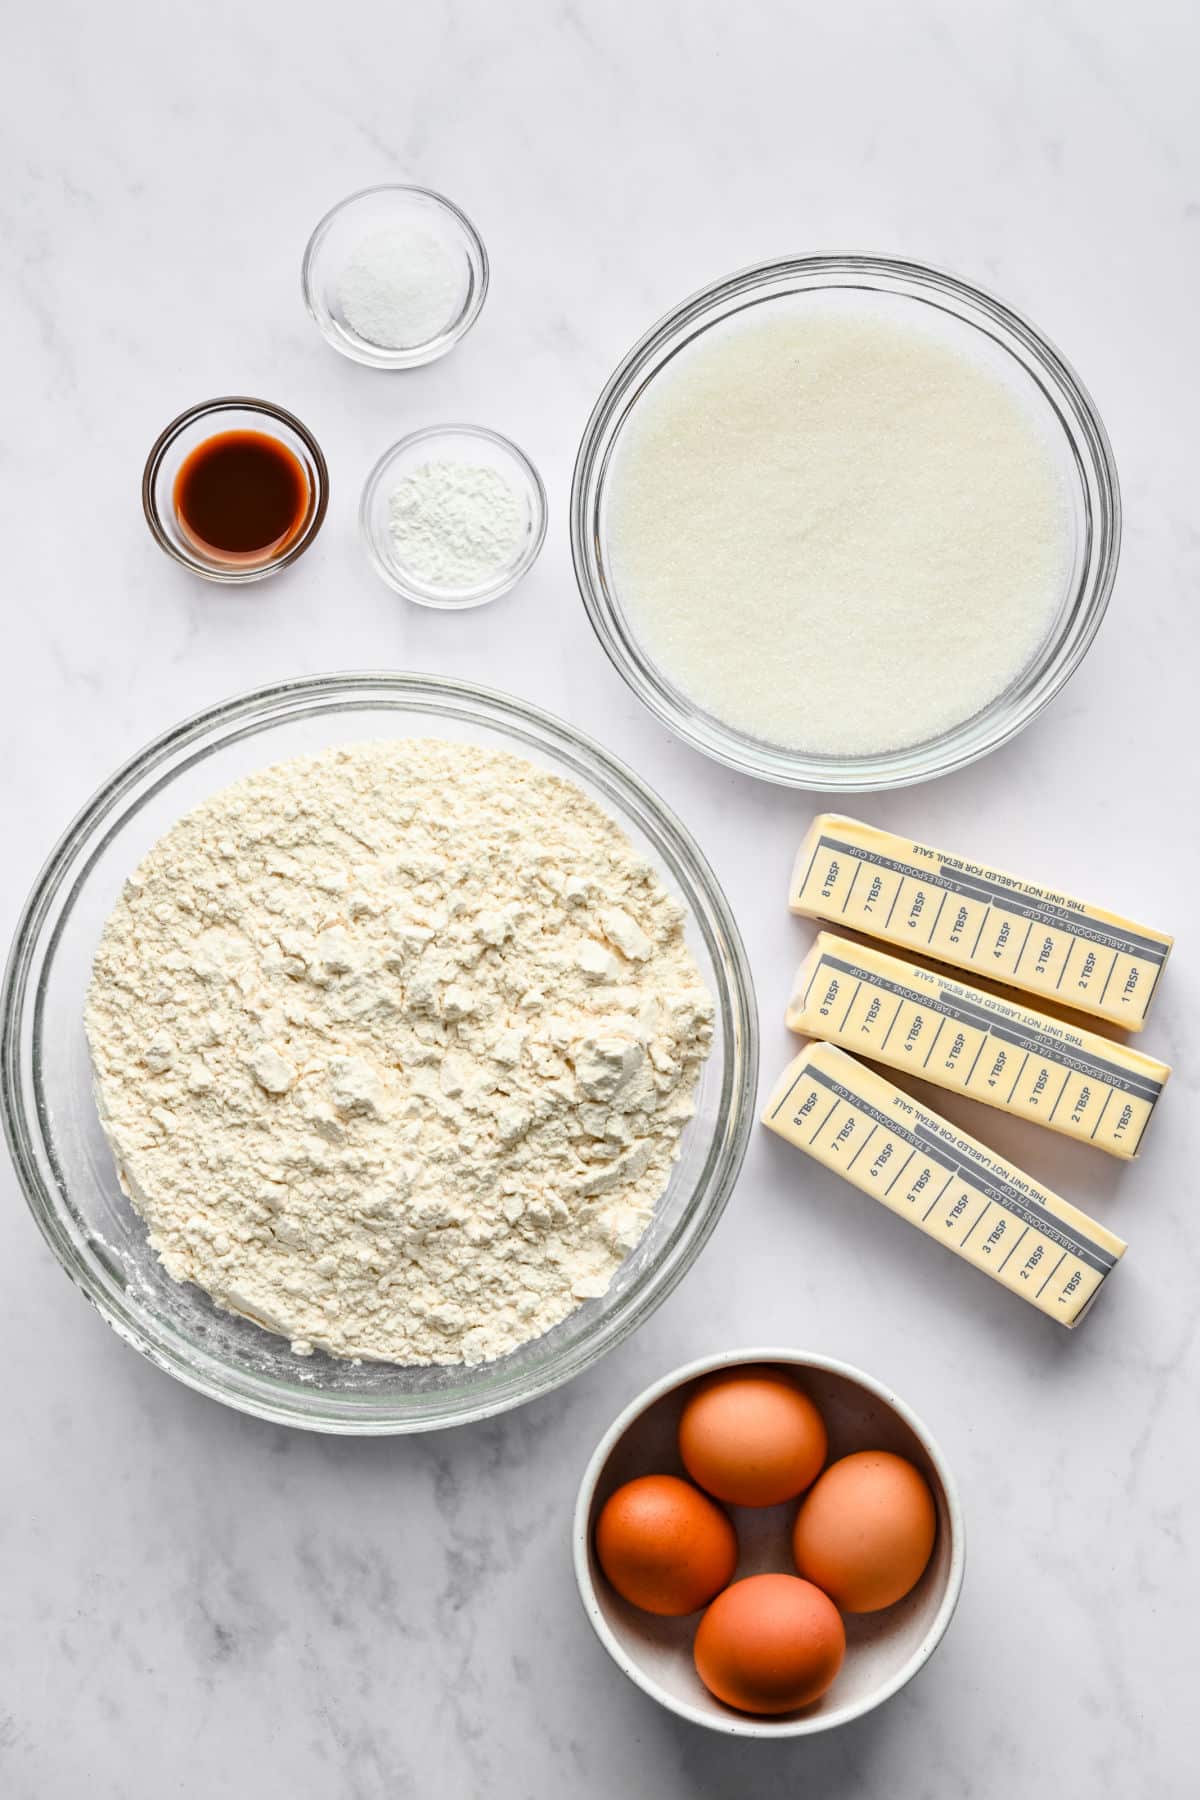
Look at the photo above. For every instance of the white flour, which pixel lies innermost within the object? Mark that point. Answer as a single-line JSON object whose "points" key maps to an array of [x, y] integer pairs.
{"points": [[838, 533], [402, 287], [455, 525], [394, 1046]]}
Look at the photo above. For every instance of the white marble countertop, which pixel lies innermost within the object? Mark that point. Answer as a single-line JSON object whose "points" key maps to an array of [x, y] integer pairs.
{"points": [[195, 1604]]}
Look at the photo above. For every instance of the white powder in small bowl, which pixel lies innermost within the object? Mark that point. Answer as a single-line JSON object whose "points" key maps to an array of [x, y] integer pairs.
{"points": [[455, 525], [402, 288], [837, 532]]}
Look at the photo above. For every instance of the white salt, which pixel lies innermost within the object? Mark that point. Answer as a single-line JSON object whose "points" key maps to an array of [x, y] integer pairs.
{"points": [[402, 287], [837, 532]]}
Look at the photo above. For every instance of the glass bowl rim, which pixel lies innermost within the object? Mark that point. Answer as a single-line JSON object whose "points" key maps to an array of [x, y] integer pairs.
{"points": [[246, 715], [191, 416], [415, 356], [429, 596], [1012, 711]]}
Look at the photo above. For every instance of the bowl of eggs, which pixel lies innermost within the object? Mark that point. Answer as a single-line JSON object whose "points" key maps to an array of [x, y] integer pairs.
{"points": [[768, 1543]]}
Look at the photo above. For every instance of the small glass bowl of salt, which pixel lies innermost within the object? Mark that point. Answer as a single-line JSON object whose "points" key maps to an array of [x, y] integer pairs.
{"points": [[453, 516], [395, 276]]}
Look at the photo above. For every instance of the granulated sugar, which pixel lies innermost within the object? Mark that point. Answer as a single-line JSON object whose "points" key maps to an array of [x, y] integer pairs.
{"points": [[837, 533], [401, 288]]}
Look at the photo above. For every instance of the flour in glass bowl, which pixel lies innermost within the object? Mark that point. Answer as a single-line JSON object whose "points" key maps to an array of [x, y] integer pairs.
{"points": [[394, 1046], [837, 532]]}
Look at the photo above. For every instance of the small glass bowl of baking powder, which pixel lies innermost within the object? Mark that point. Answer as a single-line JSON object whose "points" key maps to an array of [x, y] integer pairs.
{"points": [[395, 276], [453, 516]]}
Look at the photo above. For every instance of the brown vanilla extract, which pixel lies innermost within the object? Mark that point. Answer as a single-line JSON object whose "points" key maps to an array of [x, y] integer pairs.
{"points": [[242, 497]]}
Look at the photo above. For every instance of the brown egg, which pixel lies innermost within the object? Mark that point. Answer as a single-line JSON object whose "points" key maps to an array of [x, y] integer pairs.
{"points": [[865, 1532], [752, 1438], [769, 1644], [664, 1546]]}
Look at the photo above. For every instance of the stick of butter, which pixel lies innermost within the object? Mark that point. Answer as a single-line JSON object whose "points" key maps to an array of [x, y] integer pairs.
{"points": [[978, 918], [974, 1043], [942, 1181]]}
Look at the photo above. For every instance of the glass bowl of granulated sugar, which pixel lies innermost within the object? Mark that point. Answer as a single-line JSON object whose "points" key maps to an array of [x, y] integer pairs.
{"points": [[566, 824], [845, 522], [395, 276]]}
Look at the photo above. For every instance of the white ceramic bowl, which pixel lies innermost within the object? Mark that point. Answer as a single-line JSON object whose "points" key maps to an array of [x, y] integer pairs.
{"points": [[884, 1650]]}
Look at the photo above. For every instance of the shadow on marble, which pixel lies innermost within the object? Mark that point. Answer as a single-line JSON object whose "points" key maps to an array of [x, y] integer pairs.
{"points": [[851, 1761]]}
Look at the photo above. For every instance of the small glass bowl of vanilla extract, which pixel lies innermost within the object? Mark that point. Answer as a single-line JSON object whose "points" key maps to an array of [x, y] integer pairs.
{"points": [[235, 489]]}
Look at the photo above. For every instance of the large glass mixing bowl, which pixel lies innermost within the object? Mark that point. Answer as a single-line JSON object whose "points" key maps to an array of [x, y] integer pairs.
{"points": [[962, 317], [63, 1160]]}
